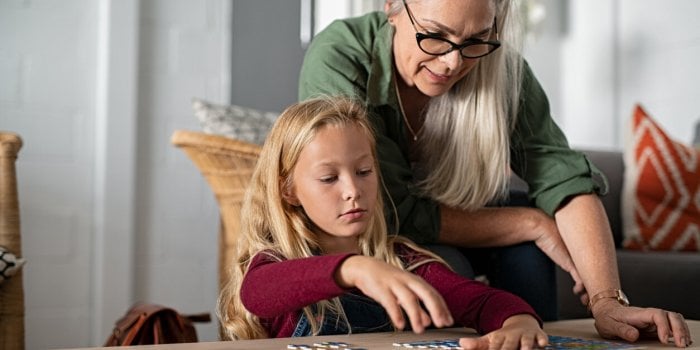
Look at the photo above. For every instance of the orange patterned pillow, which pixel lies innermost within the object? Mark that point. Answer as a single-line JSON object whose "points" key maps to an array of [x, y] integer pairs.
{"points": [[661, 191]]}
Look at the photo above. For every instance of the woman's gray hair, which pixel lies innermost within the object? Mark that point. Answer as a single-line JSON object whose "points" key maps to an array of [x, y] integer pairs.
{"points": [[465, 139]]}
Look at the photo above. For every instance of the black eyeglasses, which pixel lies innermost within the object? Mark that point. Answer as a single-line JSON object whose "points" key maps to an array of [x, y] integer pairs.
{"points": [[436, 45]]}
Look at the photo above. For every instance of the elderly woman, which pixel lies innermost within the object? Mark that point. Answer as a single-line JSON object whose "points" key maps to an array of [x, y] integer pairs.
{"points": [[455, 109]]}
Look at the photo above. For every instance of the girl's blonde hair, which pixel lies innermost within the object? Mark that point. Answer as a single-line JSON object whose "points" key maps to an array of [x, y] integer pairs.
{"points": [[465, 139], [272, 226]]}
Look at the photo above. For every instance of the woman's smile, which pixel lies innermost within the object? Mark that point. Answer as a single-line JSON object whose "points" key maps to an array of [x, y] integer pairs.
{"points": [[437, 78]]}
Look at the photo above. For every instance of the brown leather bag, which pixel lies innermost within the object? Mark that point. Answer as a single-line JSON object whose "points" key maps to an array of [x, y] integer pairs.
{"points": [[146, 324]]}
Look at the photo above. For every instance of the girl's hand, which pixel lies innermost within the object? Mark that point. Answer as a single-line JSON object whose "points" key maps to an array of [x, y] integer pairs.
{"points": [[613, 320], [518, 332], [395, 290]]}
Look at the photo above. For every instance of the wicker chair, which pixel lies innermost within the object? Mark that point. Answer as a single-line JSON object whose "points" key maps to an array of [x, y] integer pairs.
{"points": [[227, 165], [11, 291]]}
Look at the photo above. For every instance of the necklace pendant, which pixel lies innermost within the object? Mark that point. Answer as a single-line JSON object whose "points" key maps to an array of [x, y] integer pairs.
{"points": [[415, 138]]}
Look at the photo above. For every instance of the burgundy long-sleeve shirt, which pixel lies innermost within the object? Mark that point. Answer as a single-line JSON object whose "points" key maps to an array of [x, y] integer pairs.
{"points": [[276, 291]]}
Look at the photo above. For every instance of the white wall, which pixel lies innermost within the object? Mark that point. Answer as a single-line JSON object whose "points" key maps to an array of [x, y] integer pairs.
{"points": [[658, 54], [597, 58], [183, 53], [48, 60], [111, 212]]}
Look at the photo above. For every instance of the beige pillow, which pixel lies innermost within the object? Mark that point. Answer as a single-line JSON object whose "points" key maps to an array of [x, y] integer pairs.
{"points": [[237, 122]]}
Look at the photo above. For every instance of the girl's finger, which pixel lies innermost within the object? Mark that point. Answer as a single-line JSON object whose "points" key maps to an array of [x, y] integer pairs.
{"points": [[393, 309], [479, 343], [410, 304], [527, 342], [498, 341], [435, 305], [542, 339]]}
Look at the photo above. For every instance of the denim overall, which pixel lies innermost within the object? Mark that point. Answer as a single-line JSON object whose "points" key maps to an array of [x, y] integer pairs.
{"points": [[364, 315]]}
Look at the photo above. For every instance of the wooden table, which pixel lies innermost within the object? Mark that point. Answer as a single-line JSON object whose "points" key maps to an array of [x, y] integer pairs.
{"points": [[383, 341]]}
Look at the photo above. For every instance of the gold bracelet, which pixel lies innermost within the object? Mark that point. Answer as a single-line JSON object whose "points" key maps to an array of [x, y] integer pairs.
{"points": [[616, 294]]}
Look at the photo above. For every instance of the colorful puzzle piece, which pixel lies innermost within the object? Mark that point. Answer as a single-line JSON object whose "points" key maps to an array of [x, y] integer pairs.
{"points": [[555, 343], [562, 343]]}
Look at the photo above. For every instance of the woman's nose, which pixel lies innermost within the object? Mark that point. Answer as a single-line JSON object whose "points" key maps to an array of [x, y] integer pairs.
{"points": [[452, 59]]}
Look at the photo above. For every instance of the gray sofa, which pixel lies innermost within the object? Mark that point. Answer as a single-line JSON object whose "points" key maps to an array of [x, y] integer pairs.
{"points": [[668, 280]]}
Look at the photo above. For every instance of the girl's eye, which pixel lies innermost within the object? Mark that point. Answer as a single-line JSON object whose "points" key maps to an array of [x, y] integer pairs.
{"points": [[364, 172], [328, 179]]}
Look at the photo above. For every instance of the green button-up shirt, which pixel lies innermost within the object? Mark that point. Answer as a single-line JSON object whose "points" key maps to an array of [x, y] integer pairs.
{"points": [[353, 57]]}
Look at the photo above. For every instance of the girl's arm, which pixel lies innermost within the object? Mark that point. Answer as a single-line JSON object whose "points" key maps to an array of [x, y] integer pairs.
{"points": [[472, 303], [271, 287], [506, 321]]}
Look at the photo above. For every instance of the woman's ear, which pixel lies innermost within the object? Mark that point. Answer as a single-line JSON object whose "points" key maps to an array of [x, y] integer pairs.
{"points": [[387, 6]]}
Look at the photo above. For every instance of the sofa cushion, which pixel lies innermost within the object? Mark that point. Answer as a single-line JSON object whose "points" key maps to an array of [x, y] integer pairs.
{"points": [[236, 122], [661, 279], [661, 193]]}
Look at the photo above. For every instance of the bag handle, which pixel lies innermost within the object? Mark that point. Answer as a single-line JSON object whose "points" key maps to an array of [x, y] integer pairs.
{"points": [[128, 326], [204, 317]]}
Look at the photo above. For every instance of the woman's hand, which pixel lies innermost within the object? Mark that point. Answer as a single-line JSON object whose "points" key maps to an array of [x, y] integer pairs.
{"points": [[518, 332], [613, 320], [395, 290], [547, 238]]}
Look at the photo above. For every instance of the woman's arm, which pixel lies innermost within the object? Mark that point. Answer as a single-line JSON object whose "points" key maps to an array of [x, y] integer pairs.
{"points": [[502, 226], [491, 226], [583, 223]]}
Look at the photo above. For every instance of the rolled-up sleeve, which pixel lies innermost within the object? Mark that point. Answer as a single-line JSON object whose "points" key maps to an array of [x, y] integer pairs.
{"points": [[542, 157]]}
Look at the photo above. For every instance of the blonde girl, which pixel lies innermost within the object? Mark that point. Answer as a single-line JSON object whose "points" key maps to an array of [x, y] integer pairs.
{"points": [[315, 258]]}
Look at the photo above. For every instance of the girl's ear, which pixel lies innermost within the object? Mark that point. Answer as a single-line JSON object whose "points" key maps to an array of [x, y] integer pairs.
{"points": [[288, 194], [291, 199]]}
